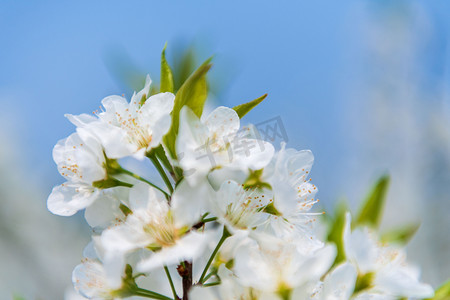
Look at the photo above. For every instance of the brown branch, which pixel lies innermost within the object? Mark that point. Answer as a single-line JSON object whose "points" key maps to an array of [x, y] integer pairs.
{"points": [[185, 271]]}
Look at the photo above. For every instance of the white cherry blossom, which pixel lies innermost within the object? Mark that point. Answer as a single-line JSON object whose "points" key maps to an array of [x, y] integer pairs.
{"points": [[279, 267], [239, 208], [151, 225], [216, 143], [337, 285], [89, 278], [383, 266], [293, 195], [130, 128], [229, 289], [81, 161]]}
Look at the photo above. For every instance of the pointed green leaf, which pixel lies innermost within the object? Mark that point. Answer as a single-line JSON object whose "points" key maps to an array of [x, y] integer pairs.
{"points": [[166, 74], [372, 210], [184, 64], [192, 93], [442, 293], [336, 231], [400, 235], [243, 109]]}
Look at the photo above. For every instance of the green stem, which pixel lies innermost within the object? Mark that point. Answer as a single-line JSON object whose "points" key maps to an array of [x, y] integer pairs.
{"points": [[172, 287], [149, 294], [225, 235], [209, 220], [144, 180], [212, 284], [161, 154], [208, 276], [161, 171]]}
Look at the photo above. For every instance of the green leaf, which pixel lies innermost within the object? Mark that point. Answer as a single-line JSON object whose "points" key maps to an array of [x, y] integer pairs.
{"points": [[243, 109], [192, 93], [184, 64], [400, 235], [336, 231], [443, 292], [166, 74], [372, 210]]}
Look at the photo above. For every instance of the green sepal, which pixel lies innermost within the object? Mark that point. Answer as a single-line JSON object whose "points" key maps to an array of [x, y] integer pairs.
{"points": [[124, 209], [166, 74], [254, 180], [143, 99], [336, 231], [109, 183], [372, 209], [285, 292], [111, 166], [243, 109], [128, 284], [442, 293], [400, 235], [363, 282], [229, 264], [270, 209], [154, 247], [192, 93]]}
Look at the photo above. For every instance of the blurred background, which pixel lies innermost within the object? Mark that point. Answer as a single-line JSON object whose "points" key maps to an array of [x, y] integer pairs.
{"points": [[364, 84]]}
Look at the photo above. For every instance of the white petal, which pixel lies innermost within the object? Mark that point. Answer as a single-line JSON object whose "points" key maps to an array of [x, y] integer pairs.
{"points": [[223, 121], [217, 176], [340, 283], [122, 238], [137, 97], [145, 197], [189, 203], [156, 107], [78, 160], [401, 281], [156, 114], [315, 266], [189, 247], [190, 146], [89, 280], [251, 153], [68, 198], [201, 293], [114, 140], [80, 120], [114, 265], [105, 210], [362, 250], [159, 130], [113, 104]]}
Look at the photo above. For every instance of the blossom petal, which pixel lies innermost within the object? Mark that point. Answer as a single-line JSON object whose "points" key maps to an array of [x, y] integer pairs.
{"points": [[189, 203], [68, 198], [189, 247], [223, 122]]}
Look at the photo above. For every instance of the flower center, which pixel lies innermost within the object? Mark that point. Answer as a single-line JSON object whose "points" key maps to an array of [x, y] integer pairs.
{"points": [[164, 233], [138, 134], [241, 213]]}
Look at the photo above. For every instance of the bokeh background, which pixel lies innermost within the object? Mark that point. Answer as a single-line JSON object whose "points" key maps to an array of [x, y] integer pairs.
{"points": [[364, 84]]}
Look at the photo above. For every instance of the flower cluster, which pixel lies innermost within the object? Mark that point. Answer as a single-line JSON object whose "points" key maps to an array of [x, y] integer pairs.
{"points": [[235, 219]]}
